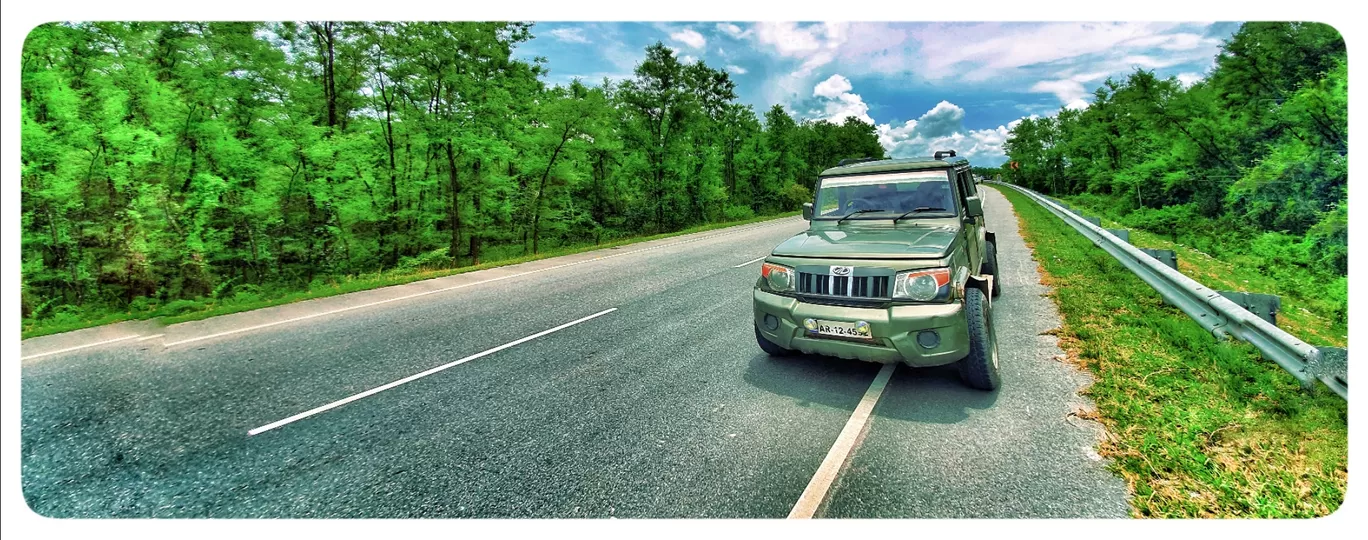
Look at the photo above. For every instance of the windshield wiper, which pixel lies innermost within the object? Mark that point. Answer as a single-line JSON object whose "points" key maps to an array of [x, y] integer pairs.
{"points": [[918, 210], [863, 211]]}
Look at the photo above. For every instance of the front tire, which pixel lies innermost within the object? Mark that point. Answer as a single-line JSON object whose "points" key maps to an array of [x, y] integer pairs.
{"points": [[769, 347], [980, 369], [990, 266]]}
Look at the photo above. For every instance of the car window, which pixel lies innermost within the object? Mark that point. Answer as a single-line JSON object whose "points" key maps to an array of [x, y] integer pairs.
{"points": [[894, 193]]}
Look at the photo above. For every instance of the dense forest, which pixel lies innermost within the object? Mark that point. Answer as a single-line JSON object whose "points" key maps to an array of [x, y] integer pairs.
{"points": [[166, 162], [1252, 159]]}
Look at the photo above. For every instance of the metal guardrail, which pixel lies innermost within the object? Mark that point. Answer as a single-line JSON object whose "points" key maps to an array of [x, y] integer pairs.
{"points": [[1222, 317]]}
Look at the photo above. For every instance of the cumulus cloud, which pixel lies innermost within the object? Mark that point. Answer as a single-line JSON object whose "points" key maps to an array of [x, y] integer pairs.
{"points": [[942, 120], [833, 87], [570, 35], [836, 102], [942, 128], [1187, 79], [736, 69], [690, 37]]}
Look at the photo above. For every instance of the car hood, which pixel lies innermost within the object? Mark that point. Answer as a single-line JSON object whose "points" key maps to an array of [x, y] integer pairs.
{"points": [[871, 243]]}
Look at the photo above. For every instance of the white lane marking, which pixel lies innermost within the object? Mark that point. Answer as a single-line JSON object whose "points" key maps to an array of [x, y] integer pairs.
{"points": [[153, 336], [749, 262], [836, 458], [461, 286], [417, 376], [77, 348]]}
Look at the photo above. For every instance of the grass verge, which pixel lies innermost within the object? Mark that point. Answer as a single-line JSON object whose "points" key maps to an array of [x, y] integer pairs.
{"points": [[1309, 315], [212, 307], [1196, 427]]}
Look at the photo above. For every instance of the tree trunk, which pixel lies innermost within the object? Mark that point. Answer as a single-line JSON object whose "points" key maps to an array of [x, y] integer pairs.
{"points": [[454, 214], [475, 233], [323, 33], [541, 189]]}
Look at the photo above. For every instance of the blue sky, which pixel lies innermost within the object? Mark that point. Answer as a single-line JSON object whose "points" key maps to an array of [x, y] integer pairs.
{"points": [[925, 86]]}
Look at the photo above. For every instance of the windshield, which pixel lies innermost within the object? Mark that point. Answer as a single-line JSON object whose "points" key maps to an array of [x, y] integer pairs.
{"points": [[884, 196]]}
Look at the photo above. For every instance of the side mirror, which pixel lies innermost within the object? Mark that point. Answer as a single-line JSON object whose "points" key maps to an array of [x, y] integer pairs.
{"points": [[807, 211], [973, 206]]}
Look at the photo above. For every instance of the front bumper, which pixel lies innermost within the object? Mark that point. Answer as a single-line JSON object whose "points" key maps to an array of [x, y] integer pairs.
{"points": [[894, 329]]}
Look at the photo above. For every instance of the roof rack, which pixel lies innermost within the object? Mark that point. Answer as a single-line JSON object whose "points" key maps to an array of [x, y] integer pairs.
{"points": [[943, 153], [851, 161]]}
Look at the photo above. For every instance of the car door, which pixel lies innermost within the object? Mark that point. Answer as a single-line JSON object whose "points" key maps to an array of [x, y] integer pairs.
{"points": [[973, 227]]}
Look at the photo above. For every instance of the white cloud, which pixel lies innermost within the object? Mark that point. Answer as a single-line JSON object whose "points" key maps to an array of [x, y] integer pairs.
{"points": [[994, 51], [942, 120], [732, 30], [837, 102], [846, 105], [1066, 90], [688, 59], [736, 69], [690, 37], [570, 35], [1187, 79], [942, 128], [788, 39], [833, 87]]}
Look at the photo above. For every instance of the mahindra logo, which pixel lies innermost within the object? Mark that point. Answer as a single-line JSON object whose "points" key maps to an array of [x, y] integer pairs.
{"points": [[841, 270]]}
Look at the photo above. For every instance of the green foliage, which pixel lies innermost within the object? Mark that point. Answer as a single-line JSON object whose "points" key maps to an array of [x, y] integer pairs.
{"points": [[177, 168], [1198, 427], [1259, 146]]}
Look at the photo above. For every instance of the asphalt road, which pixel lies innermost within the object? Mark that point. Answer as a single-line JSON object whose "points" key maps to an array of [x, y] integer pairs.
{"points": [[661, 407]]}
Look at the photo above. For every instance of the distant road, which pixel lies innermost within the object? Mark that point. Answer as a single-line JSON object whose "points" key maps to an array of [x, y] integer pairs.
{"points": [[618, 383]]}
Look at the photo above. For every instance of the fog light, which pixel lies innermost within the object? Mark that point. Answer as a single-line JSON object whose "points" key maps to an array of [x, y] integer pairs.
{"points": [[771, 322], [928, 339], [862, 328], [810, 324]]}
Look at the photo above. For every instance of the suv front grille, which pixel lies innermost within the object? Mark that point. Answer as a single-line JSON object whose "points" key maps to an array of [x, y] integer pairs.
{"points": [[855, 287]]}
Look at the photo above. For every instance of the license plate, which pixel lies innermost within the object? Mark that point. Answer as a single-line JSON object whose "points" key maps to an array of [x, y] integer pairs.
{"points": [[841, 329]]}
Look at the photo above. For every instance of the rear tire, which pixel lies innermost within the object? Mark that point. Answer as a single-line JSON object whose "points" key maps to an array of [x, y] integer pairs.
{"points": [[769, 347], [980, 369], [990, 266]]}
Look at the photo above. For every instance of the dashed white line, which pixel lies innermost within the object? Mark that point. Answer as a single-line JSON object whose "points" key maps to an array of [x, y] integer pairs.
{"points": [[417, 376], [464, 285], [77, 348], [817, 489], [752, 261]]}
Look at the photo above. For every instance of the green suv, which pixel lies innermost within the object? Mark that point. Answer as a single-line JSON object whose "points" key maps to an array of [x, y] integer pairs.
{"points": [[897, 266]]}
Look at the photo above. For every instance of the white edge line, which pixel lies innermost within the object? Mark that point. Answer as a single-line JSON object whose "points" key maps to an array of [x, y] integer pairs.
{"points": [[153, 336], [417, 376], [463, 285], [77, 348], [749, 262], [822, 480]]}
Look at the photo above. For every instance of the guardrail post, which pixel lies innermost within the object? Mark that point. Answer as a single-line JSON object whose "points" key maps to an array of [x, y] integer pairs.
{"points": [[1332, 368], [1166, 256], [1123, 234], [1264, 305]]}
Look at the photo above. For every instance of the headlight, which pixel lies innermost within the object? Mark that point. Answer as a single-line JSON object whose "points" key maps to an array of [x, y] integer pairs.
{"points": [[922, 285], [779, 278]]}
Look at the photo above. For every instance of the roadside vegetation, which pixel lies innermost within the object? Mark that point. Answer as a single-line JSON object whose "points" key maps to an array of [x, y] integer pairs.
{"points": [[250, 298], [1197, 427], [1315, 306], [179, 168], [1248, 164]]}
